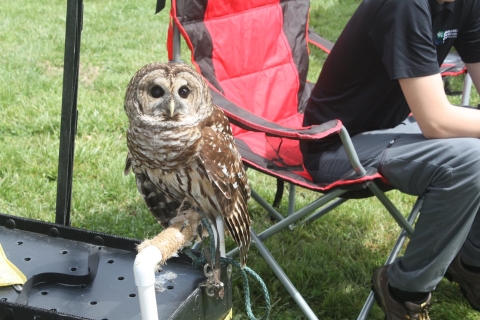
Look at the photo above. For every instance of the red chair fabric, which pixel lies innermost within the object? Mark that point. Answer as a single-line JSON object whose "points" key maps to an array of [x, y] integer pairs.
{"points": [[254, 55]]}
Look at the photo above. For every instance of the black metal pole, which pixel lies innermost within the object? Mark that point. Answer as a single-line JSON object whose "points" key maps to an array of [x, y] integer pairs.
{"points": [[69, 110]]}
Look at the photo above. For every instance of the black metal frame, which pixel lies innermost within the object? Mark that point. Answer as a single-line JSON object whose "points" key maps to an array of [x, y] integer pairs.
{"points": [[68, 127]]}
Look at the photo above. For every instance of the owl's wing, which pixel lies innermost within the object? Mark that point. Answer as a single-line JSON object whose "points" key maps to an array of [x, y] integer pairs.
{"points": [[218, 122], [163, 207], [222, 162]]}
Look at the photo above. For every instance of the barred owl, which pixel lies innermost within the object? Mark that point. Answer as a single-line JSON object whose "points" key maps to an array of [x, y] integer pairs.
{"points": [[181, 148]]}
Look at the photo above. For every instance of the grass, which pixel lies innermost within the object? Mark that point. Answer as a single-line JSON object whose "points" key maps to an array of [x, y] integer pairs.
{"points": [[330, 261]]}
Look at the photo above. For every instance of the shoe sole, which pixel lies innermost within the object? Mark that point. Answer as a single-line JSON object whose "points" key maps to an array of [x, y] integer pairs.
{"points": [[377, 297], [464, 292]]}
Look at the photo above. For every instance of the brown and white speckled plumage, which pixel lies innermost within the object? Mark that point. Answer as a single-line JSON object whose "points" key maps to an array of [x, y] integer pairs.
{"points": [[180, 146]]}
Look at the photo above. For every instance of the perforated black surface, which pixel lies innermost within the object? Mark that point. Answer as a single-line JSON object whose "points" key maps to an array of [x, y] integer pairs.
{"points": [[112, 295]]}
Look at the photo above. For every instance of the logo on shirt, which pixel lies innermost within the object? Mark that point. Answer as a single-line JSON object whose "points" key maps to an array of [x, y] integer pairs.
{"points": [[444, 35]]}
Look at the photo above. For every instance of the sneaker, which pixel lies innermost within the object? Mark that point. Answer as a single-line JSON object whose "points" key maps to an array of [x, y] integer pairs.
{"points": [[393, 309], [468, 281]]}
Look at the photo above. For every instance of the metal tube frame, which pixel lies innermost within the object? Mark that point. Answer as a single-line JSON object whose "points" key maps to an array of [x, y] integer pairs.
{"points": [[360, 170], [323, 211], [467, 88], [291, 199], [271, 210], [397, 215], [279, 226], [176, 44], [294, 293], [351, 153]]}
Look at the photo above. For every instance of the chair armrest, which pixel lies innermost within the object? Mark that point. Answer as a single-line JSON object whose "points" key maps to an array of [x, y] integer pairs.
{"points": [[452, 65], [251, 122], [319, 41]]}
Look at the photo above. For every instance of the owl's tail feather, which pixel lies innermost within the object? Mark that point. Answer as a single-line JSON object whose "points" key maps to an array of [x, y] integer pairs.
{"points": [[175, 237], [240, 235]]}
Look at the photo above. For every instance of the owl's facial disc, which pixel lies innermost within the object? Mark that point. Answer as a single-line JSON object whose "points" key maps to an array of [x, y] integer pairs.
{"points": [[164, 97], [153, 93], [180, 105], [187, 90], [172, 95]]}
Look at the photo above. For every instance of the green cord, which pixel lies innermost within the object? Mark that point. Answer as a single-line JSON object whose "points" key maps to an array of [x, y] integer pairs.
{"points": [[207, 225], [199, 262], [252, 273]]}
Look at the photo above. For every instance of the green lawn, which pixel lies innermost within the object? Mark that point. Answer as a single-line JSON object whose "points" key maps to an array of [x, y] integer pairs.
{"points": [[330, 261]]}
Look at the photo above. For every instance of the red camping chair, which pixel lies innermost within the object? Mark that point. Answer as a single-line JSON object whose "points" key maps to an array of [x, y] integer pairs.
{"points": [[254, 56]]}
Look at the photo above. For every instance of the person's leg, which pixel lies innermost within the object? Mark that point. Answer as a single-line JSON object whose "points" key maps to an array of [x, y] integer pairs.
{"points": [[447, 171], [370, 148]]}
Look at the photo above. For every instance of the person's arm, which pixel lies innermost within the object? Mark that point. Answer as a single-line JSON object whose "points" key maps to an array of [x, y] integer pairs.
{"points": [[436, 117], [474, 71]]}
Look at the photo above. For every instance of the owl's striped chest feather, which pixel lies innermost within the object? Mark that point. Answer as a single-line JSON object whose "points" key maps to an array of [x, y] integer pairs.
{"points": [[189, 182], [166, 150]]}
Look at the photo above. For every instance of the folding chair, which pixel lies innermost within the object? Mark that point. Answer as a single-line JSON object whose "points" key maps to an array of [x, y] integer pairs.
{"points": [[254, 56]]}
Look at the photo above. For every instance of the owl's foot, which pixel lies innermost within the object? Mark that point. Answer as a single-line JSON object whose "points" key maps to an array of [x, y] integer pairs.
{"points": [[175, 237]]}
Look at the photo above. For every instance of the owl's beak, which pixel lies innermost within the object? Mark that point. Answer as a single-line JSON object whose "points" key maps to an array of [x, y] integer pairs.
{"points": [[172, 108]]}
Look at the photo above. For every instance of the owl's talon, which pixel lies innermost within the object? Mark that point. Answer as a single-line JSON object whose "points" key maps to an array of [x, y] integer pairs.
{"points": [[185, 223]]}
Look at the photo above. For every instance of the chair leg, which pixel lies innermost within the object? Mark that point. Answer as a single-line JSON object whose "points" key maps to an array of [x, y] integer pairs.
{"points": [[291, 199], [329, 207], [467, 88], [393, 255], [397, 215], [271, 210], [176, 44], [291, 202], [302, 304], [279, 226], [300, 214]]}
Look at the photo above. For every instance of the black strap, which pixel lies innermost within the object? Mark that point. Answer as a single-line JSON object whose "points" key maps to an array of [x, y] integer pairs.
{"points": [[62, 278], [279, 194], [160, 6]]}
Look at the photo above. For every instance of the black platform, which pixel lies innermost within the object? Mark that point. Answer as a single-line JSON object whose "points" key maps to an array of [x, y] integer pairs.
{"points": [[38, 247]]}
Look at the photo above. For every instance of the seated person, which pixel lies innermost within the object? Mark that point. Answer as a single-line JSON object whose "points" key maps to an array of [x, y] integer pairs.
{"points": [[384, 66]]}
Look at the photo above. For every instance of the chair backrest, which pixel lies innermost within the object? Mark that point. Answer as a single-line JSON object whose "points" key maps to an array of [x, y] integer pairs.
{"points": [[254, 52]]}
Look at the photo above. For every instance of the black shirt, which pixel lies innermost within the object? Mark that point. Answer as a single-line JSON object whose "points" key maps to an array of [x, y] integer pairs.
{"points": [[386, 40]]}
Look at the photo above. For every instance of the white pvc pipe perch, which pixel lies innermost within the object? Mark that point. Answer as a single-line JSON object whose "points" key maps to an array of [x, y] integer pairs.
{"points": [[155, 251], [221, 234], [144, 273], [467, 89]]}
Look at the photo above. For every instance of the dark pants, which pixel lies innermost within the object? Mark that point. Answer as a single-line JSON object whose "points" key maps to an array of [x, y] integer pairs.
{"points": [[447, 172]]}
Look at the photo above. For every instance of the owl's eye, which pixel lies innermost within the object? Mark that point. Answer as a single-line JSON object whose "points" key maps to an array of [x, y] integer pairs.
{"points": [[157, 92], [183, 92]]}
